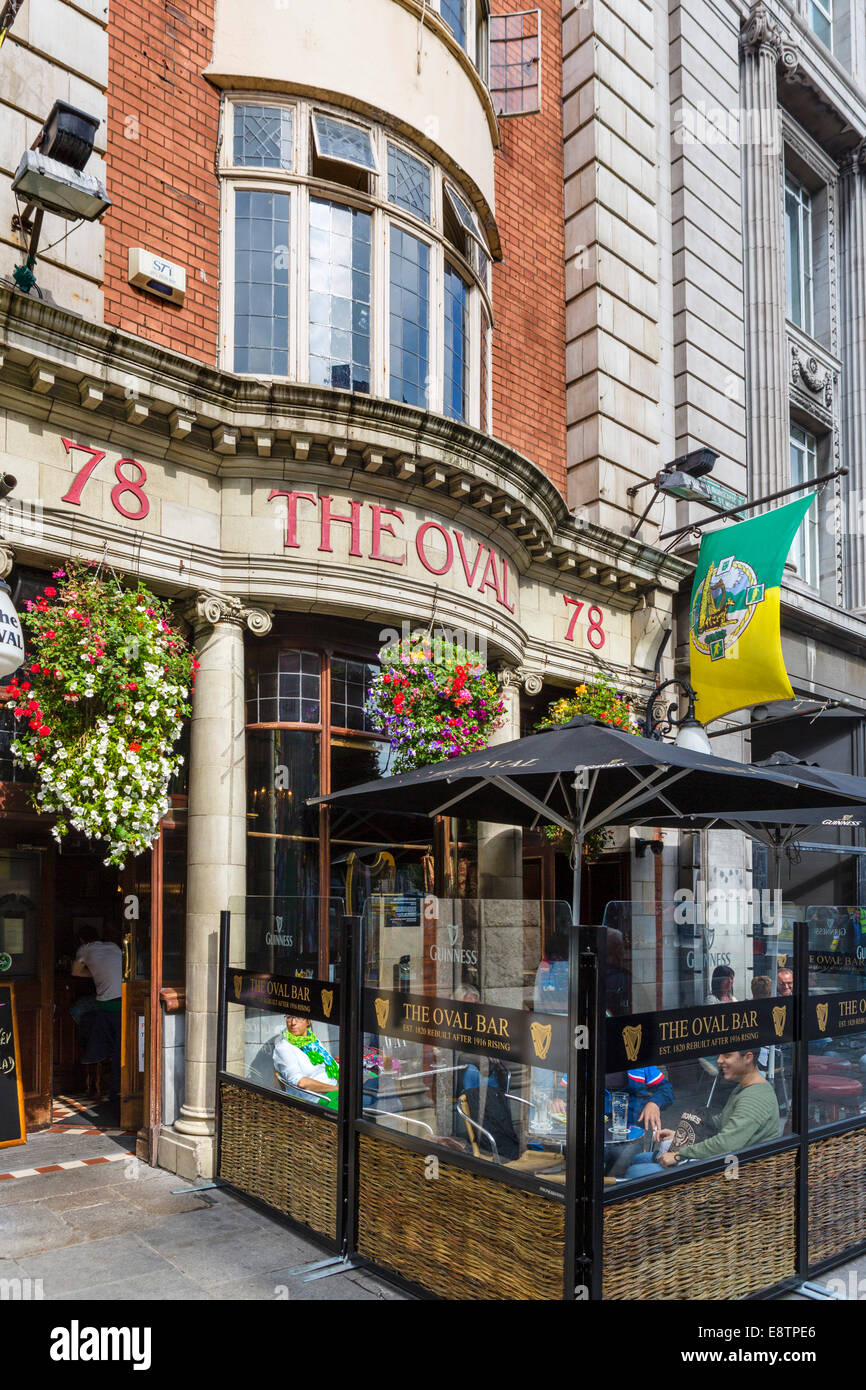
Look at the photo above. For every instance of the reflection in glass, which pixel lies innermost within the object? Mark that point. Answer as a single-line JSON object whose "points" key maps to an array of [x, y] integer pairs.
{"points": [[837, 1013], [465, 1023], [339, 296], [261, 310]]}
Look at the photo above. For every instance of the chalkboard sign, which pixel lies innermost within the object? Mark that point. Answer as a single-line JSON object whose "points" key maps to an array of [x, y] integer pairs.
{"points": [[12, 1127]]}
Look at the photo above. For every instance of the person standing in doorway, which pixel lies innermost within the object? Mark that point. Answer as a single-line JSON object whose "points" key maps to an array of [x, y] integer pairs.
{"points": [[103, 962]]}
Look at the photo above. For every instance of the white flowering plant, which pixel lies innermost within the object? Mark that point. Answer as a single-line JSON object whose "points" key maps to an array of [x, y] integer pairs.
{"points": [[100, 702]]}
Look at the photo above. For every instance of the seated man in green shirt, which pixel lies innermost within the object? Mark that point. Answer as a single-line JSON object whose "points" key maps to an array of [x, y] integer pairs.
{"points": [[750, 1116]]}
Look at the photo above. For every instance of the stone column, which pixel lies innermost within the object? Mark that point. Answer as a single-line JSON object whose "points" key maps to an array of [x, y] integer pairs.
{"points": [[852, 282], [764, 45], [216, 862]]}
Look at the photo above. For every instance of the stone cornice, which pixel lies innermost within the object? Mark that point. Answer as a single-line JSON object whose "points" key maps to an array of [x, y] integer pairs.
{"points": [[137, 395]]}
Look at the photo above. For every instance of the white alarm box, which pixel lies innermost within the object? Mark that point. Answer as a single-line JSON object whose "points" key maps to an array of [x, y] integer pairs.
{"points": [[156, 275]]}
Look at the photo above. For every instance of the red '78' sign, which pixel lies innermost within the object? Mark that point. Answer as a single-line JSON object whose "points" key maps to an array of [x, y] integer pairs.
{"points": [[134, 486], [595, 634]]}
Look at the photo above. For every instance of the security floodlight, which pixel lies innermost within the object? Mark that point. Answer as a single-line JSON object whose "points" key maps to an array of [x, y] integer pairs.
{"points": [[59, 188], [696, 464], [51, 178], [8, 482]]}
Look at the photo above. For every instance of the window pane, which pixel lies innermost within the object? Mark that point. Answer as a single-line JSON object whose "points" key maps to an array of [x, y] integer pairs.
{"points": [[261, 320], [339, 297], [795, 258], [410, 307], [804, 468], [350, 683], [820, 18], [408, 182], [454, 14], [514, 63], [263, 137], [462, 211], [456, 344], [485, 371], [274, 688], [350, 144]]}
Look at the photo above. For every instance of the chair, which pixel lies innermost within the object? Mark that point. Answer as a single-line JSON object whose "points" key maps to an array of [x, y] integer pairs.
{"points": [[473, 1128]]}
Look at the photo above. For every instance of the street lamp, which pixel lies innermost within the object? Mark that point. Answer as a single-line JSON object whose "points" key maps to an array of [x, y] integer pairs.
{"points": [[51, 178], [691, 733]]}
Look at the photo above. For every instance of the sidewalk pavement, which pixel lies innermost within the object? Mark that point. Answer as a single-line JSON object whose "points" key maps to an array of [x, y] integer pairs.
{"points": [[101, 1225]]}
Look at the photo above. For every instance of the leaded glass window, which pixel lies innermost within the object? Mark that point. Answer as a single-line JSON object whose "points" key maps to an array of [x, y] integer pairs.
{"points": [[463, 212], [456, 344], [263, 137], [339, 296], [408, 182], [340, 140], [261, 310], [410, 314]]}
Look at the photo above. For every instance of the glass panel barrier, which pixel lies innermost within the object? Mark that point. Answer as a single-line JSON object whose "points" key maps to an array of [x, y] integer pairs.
{"points": [[282, 996], [465, 1006], [836, 1014], [694, 1023]]}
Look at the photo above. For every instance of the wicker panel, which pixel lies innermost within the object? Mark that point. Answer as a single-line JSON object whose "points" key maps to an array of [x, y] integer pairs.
{"points": [[281, 1155], [459, 1235], [837, 1194], [713, 1237]]}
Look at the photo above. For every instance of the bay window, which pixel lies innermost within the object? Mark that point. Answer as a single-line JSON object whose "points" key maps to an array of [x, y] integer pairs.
{"points": [[350, 261]]}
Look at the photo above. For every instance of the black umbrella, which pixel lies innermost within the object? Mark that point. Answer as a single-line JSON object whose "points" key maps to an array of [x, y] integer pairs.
{"points": [[586, 774]]}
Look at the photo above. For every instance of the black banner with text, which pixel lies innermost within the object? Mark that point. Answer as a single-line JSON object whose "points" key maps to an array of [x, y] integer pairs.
{"points": [[284, 994], [512, 1034], [676, 1035], [829, 1015]]}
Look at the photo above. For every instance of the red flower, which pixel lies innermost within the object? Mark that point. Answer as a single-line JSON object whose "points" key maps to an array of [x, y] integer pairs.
{"points": [[25, 685], [43, 730], [50, 593], [36, 668], [52, 635], [135, 748]]}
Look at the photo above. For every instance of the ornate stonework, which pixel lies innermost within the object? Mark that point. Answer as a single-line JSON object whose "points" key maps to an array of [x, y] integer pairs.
{"points": [[7, 559], [763, 30], [817, 378], [520, 678], [207, 610]]}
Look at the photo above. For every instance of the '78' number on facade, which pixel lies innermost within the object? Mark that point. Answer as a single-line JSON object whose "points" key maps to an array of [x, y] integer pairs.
{"points": [[134, 486], [595, 634]]}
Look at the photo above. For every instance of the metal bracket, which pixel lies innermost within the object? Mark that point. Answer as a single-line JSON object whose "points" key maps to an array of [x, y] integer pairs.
{"points": [[322, 1269], [197, 1187], [818, 1292]]}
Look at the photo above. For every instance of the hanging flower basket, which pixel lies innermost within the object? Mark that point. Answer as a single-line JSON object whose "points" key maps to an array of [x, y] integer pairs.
{"points": [[100, 702], [434, 701], [601, 700]]}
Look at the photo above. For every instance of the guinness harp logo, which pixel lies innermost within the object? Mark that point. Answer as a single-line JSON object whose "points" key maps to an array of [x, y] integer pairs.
{"points": [[327, 1002], [781, 962], [238, 982], [452, 934], [779, 1016], [631, 1036], [822, 1010], [383, 1008], [541, 1034]]}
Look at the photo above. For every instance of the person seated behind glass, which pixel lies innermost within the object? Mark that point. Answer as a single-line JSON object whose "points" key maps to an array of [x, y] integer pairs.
{"points": [[303, 1061], [750, 1116], [649, 1092], [722, 986]]}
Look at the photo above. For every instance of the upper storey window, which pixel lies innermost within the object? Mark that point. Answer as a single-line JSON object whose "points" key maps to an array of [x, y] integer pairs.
{"points": [[515, 57], [467, 20], [798, 246], [351, 262], [343, 142], [263, 137], [454, 14], [821, 20]]}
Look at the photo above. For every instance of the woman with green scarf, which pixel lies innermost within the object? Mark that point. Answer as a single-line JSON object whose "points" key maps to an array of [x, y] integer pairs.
{"points": [[301, 1060]]}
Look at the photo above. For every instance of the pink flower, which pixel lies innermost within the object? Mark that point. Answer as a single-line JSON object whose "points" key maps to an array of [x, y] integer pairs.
{"points": [[59, 574]]}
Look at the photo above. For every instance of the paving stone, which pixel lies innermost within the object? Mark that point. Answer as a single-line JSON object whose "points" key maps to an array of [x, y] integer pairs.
{"points": [[27, 1229], [91, 1262], [54, 1184], [213, 1262], [90, 1197], [104, 1219], [158, 1286], [173, 1234]]}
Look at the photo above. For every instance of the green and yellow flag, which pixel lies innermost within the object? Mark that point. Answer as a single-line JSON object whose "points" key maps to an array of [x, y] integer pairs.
{"points": [[735, 639]]}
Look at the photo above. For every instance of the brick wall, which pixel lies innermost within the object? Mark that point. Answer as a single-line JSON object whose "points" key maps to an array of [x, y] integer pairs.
{"points": [[162, 131], [529, 284]]}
